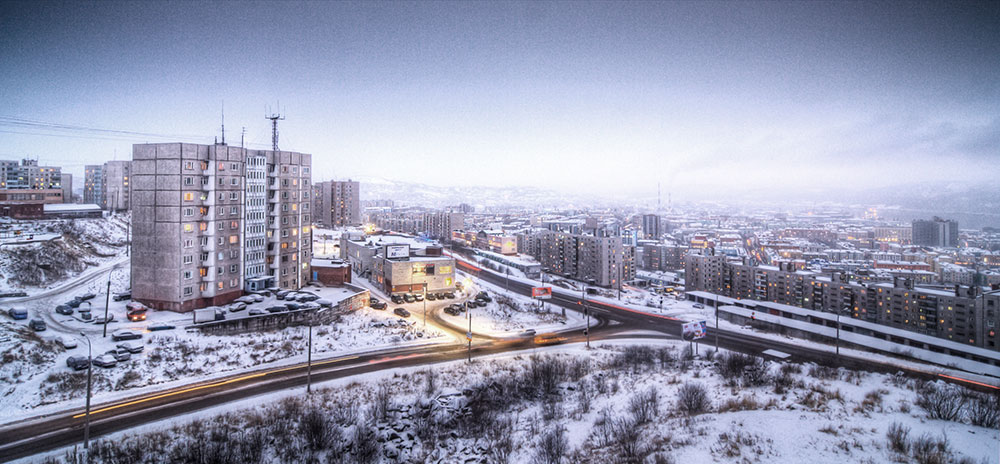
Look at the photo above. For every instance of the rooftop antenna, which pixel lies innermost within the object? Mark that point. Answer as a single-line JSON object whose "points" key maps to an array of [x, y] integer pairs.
{"points": [[242, 136], [274, 117], [658, 198], [223, 122]]}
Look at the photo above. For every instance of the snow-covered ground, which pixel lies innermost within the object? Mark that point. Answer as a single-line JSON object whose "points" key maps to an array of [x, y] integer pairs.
{"points": [[627, 401]]}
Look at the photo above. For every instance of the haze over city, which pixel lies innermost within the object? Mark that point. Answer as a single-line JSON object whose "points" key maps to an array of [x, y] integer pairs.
{"points": [[708, 98]]}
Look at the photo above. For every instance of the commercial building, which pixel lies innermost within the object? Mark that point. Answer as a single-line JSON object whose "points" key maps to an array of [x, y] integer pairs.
{"points": [[190, 207], [337, 203], [399, 263], [497, 242], [602, 261], [936, 232]]}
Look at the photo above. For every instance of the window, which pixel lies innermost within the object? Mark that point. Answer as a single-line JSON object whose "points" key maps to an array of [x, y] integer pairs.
{"points": [[220, 270], [203, 271], [221, 181], [234, 224], [188, 243], [188, 181], [233, 238], [188, 259], [187, 275], [204, 165], [188, 228], [234, 196], [188, 211], [222, 166], [188, 196], [234, 166], [234, 181], [222, 285], [188, 291], [204, 256], [189, 165], [221, 225], [232, 269]]}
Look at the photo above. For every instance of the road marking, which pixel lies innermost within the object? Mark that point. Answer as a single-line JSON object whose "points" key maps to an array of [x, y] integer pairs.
{"points": [[202, 387], [395, 358], [970, 381]]}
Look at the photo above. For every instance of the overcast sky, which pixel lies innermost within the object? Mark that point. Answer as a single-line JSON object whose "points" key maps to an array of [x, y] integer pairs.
{"points": [[585, 97]]}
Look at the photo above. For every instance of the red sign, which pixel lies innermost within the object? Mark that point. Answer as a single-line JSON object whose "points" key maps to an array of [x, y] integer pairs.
{"points": [[542, 293]]}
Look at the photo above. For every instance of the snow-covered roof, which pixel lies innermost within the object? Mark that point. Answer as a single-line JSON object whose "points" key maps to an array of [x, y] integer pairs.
{"points": [[65, 207]]}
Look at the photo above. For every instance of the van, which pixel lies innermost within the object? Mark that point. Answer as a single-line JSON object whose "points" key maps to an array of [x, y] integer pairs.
{"points": [[18, 313]]}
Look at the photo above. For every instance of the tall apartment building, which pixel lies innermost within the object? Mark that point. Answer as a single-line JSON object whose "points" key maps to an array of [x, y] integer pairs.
{"points": [[93, 184], [936, 232], [202, 216], [116, 185], [603, 261], [337, 203], [29, 175], [651, 226], [662, 257], [956, 314], [67, 187], [437, 225]]}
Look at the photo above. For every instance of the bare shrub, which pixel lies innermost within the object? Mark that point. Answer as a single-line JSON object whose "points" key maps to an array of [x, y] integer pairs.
{"points": [[644, 406], [500, 439], [929, 450], [628, 440], [872, 401], [634, 357], [730, 365], [941, 401], [824, 372], [744, 403], [314, 427], [364, 444], [431, 385], [383, 402], [983, 409], [898, 435], [692, 399], [552, 446]]}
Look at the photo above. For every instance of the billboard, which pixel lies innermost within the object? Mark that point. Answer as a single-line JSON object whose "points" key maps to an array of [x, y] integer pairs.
{"points": [[397, 251], [541, 293], [694, 330]]}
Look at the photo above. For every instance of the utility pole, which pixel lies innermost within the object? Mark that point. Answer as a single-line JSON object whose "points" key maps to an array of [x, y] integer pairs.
{"points": [[309, 357], [90, 367], [107, 301], [469, 335], [838, 331], [716, 322]]}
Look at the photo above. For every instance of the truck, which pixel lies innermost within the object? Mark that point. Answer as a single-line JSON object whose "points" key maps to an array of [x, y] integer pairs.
{"points": [[208, 315]]}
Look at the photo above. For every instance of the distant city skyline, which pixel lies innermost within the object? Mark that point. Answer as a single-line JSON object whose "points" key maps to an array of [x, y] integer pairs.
{"points": [[597, 98]]}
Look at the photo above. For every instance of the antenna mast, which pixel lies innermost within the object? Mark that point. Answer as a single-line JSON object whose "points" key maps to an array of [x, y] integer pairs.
{"points": [[274, 117], [223, 122]]}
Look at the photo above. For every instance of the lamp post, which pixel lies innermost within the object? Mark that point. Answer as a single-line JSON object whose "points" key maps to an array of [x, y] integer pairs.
{"points": [[716, 322], [838, 330], [90, 366], [425, 305], [586, 310], [468, 336], [107, 302], [309, 357]]}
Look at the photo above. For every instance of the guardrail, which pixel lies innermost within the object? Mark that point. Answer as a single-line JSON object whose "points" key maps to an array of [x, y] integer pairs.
{"points": [[278, 321]]}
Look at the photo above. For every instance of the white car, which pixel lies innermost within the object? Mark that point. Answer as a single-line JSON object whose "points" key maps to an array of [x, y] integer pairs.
{"points": [[257, 298], [105, 360], [131, 347], [67, 342]]}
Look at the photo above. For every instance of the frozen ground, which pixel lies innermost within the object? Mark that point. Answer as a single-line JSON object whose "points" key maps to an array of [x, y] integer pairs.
{"points": [[37, 380], [621, 402]]}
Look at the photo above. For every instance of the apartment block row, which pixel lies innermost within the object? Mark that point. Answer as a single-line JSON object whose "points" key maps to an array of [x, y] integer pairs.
{"points": [[337, 203], [437, 225], [963, 314], [212, 221], [597, 260]]}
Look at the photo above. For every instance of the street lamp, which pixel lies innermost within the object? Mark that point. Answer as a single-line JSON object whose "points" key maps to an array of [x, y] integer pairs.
{"points": [[838, 329], [90, 367], [309, 357], [586, 310]]}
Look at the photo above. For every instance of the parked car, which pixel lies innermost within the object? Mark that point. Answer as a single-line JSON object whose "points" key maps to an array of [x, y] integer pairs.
{"points": [[471, 304], [397, 299], [37, 325], [135, 315], [450, 295], [293, 306], [431, 297], [328, 303], [158, 327], [484, 296], [238, 306], [87, 296], [130, 347], [699, 306], [401, 312], [75, 302], [481, 303], [67, 342], [126, 295], [527, 333], [276, 309], [64, 310], [123, 334], [306, 298], [439, 296], [105, 360], [257, 312], [378, 305], [409, 298], [245, 299], [18, 313], [120, 355], [418, 296], [257, 298], [311, 305], [100, 319], [78, 363]]}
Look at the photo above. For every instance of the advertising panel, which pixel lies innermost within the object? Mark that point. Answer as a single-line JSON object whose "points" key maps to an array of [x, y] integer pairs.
{"points": [[397, 251], [541, 293], [694, 330]]}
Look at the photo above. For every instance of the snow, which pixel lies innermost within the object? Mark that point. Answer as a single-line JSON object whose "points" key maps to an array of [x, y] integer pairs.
{"points": [[833, 417]]}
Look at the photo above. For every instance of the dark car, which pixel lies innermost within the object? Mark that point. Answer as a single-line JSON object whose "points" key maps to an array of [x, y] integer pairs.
{"points": [[64, 310], [157, 327], [87, 296], [481, 303], [293, 306], [120, 335], [122, 295], [409, 298], [470, 304], [281, 294], [484, 296], [396, 299], [307, 298], [276, 309], [74, 303], [401, 312], [37, 325], [439, 296], [78, 363], [449, 295], [378, 305], [431, 297]]}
